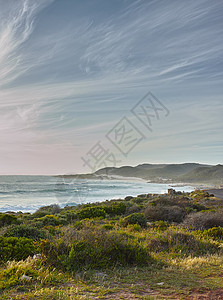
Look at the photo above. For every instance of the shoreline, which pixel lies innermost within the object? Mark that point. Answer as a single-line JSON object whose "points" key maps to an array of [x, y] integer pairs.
{"points": [[178, 186]]}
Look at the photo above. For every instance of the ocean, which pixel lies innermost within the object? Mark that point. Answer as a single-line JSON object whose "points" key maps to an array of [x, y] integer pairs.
{"points": [[29, 193]]}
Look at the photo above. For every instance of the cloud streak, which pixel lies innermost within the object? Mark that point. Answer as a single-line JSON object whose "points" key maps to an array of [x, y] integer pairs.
{"points": [[15, 29], [70, 70]]}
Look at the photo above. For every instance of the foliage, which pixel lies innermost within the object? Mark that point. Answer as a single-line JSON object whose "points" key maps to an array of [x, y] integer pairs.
{"points": [[13, 248], [41, 275], [107, 226], [8, 219], [160, 225], [115, 209], [27, 231], [77, 241], [214, 232], [47, 210], [134, 227], [204, 220], [165, 213], [94, 249], [136, 218], [181, 242], [50, 220], [91, 212]]}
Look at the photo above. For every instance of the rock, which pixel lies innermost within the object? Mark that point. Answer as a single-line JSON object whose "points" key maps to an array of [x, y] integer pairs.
{"points": [[160, 283], [37, 256], [101, 274], [25, 277]]}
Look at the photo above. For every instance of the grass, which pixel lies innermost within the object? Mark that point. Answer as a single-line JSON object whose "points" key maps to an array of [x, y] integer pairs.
{"points": [[179, 277]]}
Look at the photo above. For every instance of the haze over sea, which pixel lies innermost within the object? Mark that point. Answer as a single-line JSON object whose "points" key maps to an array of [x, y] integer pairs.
{"points": [[28, 193]]}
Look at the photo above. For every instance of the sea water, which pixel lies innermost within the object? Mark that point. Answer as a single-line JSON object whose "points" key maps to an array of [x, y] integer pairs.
{"points": [[28, 193]]}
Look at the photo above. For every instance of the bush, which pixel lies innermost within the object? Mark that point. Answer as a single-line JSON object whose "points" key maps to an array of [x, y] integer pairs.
{"points": [[54, 252], [82, 254], [165, 213], [160, 225], [26, 231], [115, 209], [204, 220], [180, 242], [138, 200], [110, 250], [91, 212], [107, 226], [128, 198], [51, 220], [13, 248], [134, 227], [214, 232], [70, 216], [7, 219], [133, 209], [88, 249], [47, 210], [136, 218]]}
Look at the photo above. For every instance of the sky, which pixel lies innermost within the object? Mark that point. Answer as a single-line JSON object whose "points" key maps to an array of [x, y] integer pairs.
{"points": [[94, 83]]}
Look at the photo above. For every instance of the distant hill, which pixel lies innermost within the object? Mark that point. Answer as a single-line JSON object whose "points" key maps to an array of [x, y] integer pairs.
{"points": [[152, 171], [160, 173], [204, 174]]}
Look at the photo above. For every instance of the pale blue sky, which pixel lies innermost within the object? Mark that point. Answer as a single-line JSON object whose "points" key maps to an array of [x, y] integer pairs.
{"points": [[70, 70]]}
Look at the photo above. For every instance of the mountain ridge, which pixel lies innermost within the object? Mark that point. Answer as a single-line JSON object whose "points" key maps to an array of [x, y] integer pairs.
{"points": [[162, 173], [184, 172]]}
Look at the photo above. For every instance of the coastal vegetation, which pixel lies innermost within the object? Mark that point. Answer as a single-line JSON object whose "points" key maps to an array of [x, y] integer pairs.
{"points": [[146, 247]]}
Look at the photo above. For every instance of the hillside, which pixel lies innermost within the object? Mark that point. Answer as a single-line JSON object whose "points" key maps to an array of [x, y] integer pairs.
{"points": [[153, 171], [204, 174], [185, 172]]}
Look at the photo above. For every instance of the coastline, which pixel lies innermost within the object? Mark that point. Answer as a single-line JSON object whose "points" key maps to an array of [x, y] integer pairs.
{"points": [[218, 193]]}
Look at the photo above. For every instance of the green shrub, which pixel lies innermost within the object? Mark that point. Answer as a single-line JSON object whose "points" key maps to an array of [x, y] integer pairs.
{"points": [[134, 227], [180, 242], [71, 216], [116, 209], [27, 231], [13, 248], [55, 252], [47, 210], [7, 219], [160, 225], [50, 220], [94, 249], [107, 250], [91, 212], [82, 254], [135, 208], [52, 230], [199, 195], [128, 198], [107, 226], [214, 232], [136, 218], [138, 200]]}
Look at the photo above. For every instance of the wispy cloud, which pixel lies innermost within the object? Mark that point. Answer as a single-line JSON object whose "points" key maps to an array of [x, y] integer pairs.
{"points": [[70, 70], [16, 26]]}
